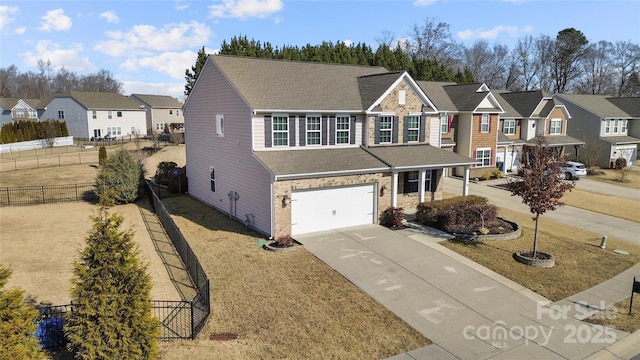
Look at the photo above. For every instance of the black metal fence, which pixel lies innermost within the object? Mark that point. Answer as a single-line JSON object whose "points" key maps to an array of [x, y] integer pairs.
{"points": [[46, 194], [200, 306]]}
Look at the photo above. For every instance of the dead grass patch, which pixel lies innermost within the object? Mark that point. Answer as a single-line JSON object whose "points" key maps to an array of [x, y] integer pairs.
{"points": [[604, 204], [580, 263], [617, 316], [632, 178], [281, 305]]}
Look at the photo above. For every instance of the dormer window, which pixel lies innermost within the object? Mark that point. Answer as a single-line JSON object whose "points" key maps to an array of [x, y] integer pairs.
{"points": [[555, 127]]}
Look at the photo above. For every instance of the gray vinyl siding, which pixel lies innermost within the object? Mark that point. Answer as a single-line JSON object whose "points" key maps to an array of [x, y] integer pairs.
{"points": [[588, 127], [75, 115], [231, 156]]}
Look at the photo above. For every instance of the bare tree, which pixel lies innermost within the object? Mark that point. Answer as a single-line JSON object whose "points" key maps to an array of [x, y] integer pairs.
{"points": [[526, 58], [596, 70], [625, 60], [487, 64], [541, 187], [545, 48], [433, 41]]}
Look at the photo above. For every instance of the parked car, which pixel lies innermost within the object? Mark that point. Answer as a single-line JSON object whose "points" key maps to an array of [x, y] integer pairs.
{"points": [[574, 170]]}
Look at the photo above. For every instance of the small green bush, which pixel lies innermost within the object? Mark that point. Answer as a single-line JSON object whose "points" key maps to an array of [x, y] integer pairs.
{"points": [[163, 173], [392, 217], [102, 155], [486, 176], [431, 213], [496, 173], [119, 180]]}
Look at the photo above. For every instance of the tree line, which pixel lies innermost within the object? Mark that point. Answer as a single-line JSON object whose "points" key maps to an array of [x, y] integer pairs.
{"points": [[38, 85]]}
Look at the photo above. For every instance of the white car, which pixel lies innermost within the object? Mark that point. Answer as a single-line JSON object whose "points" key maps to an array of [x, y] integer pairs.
{"points": [[574, 170]]}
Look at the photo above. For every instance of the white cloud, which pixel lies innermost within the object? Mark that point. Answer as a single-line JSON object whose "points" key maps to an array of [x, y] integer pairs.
{"points": [[20, 30], [171, 63], [244, 9], [181, 5], [278, 19], [70, 58], [424, 3], [145, 39], [110, 16], [55, 20], [174, 89], [348, 42], [6, 15], [492, 34]]}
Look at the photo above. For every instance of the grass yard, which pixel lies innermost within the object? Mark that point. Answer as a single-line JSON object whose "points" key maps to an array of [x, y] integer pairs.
{"points": [[605, 204], [632, 178], [281, 305], [580, 263], [618, 315]]}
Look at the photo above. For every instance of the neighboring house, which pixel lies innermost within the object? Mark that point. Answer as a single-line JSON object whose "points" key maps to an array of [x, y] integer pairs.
{"points": [[296, 147], [468, 122], [610, 125], [161, 110], [14, 109], [95, 114], [530, 114]]}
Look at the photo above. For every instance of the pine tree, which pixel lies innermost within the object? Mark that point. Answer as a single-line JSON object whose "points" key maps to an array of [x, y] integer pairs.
{"points": [[17, 324], [102, 155], [118, 181], [112, 316], [192, 75]]}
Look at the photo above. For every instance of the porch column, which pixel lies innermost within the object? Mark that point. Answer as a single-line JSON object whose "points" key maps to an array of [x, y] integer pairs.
{"points": [[465, 182], [504, 161], [394, 189], [421, 189]]}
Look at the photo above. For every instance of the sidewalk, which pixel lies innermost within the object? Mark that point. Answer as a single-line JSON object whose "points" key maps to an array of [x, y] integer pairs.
{"points": [[468, 311]]}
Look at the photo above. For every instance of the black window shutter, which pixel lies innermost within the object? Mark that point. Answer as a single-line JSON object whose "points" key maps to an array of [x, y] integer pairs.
{"points": [[352, 130], [292, 131], [435, 176], [267, 131], [302, 130], [323, 129], [396, 119], [405, 130], [405, 183], [376, 138], [421, 135], [332, 130]]}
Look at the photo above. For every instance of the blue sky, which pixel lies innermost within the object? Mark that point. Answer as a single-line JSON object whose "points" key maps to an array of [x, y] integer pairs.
{"points": [[148, 44]]}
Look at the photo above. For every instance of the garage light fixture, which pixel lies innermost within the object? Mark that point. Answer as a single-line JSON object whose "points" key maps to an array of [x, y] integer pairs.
{"points": [[383, 190], [286, 200]]}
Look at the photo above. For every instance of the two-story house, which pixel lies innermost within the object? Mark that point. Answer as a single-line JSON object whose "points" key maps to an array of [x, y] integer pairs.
{"points": [[296, 147], [530, 114], [95, 114], [14, 109], [161, 111], [611, 125], [468, 122]]}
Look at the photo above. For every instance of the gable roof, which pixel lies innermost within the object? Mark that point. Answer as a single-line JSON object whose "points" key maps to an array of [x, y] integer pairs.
{"points": [[96, 100], [374, 88], [470, 97], [509, 111], [158, 101], [8, 103], [280, 85], [437, 94], [524, 102], [630, 105], [599, 105]]}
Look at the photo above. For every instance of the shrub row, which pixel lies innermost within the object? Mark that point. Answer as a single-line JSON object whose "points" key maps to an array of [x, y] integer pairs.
{"points": [[431, 213], [468, 218], [23, 130]]}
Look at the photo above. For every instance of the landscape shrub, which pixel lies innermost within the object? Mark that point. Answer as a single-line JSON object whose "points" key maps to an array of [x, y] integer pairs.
{"points": [[102, 155], [431, 213], [465, 218], [179, 184], [163, 173], [284, 241], [119, 180], [392, 217], [496, 173], [486, 176]]}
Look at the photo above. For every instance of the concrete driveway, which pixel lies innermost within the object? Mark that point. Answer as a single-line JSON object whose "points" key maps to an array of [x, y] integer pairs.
{"points": [[468, 311]]}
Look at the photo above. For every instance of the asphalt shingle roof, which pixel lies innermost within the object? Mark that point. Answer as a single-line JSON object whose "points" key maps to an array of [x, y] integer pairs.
{"points": [[621, 139], [159, 101], [437, 95], [268, 84], [524, 102], [630, 105], [509, 111], [558, 140], [465, 97], [96, 100], [373, 86], [418, 156], [597, 104]]}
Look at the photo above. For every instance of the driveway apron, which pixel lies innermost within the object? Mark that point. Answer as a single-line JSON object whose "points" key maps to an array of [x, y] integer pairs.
{"points": [[466, 310]]}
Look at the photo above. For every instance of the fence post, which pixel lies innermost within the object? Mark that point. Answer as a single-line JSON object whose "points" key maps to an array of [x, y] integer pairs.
{"points": [[8, 199], [43, 195], [77, 192]]}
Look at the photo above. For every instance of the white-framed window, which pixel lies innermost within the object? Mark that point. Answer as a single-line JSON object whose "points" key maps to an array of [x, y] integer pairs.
{"points": [[109, 114], [509, 127], [212, 178], [402, 97], [19, 114], [33, 114], [94, 114], [159, 126], [615, 126], [61, 114], [343, 129], [623, 126], [413, 128], [133, 131], [412, 179], [170, 111], [114, 130], [483, 157], [280, 130], [484, 123], [220, 125], [386, 128], [119, 114], [555, 127], [314, 130], [607, 126], [444, 123]]}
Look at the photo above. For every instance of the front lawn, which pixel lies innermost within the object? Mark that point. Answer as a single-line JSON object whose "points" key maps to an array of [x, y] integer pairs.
{"points": [[632, 178], [580, 263], [617, 206]]}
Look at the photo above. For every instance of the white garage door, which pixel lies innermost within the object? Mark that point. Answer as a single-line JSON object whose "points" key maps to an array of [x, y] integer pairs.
{"points": [[331, 208]]}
